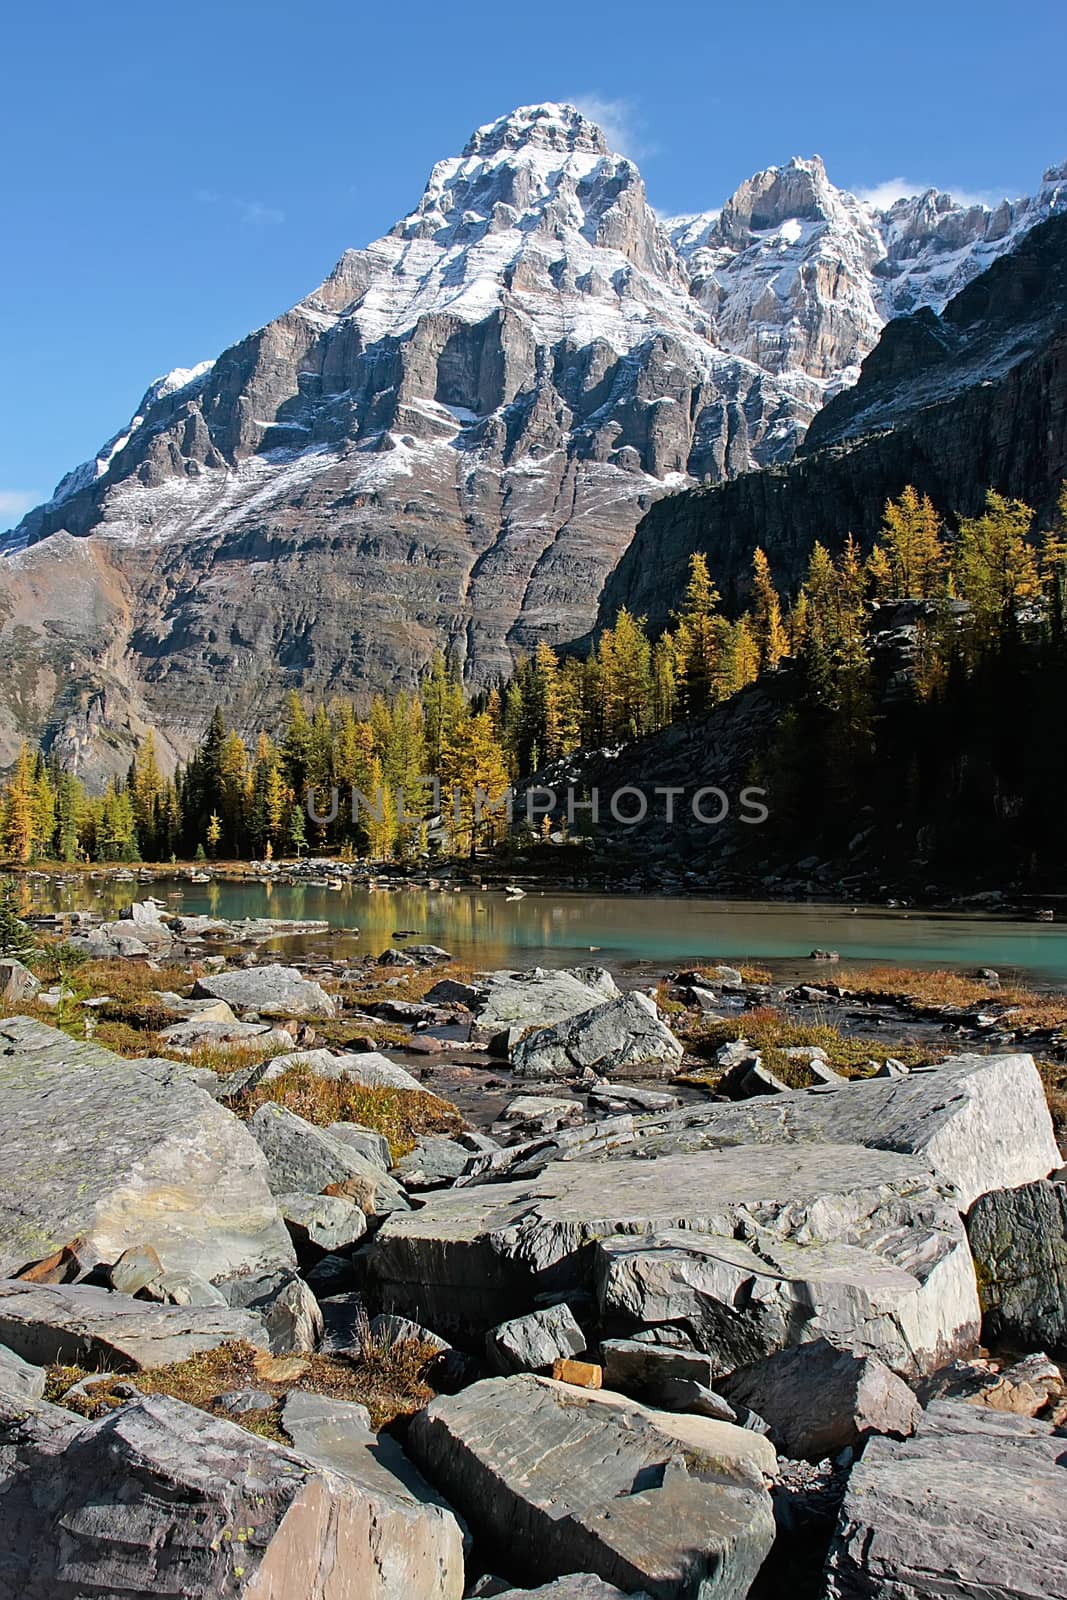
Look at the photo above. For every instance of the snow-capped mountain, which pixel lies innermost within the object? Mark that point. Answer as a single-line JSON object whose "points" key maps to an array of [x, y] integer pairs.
{"points": [[452, 439]]}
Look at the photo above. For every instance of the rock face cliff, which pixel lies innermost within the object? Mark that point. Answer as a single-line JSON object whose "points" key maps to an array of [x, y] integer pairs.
{"points": [[452, 440], [956, 403]]}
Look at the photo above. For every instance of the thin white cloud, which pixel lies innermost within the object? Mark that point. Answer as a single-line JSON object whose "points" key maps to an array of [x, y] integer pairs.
{"points": [[16, 502], [882, 195], [253, 213], [618, 119]]}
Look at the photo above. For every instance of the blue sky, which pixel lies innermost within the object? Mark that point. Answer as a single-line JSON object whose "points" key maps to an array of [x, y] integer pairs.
{"points": [[175, 176]]}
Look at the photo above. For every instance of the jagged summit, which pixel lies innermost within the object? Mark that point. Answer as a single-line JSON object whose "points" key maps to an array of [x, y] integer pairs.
{"points": [[547, 127], [453, 437]]}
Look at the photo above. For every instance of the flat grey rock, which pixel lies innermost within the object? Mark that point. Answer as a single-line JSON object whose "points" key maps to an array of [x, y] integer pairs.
{"points": [[77, 1325], [818, 1401], [858, 1245], [981, 1122], [196, 1033], [158, 1498], [558, 1484], [286, 1307], [113, 1153], [640, 1368], [972, 1504], [272, 991], [616, 1035], [375, 1146], [1019, 1242], [435, 1161]]}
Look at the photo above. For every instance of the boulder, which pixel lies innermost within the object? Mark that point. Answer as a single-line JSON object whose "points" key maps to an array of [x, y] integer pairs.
{"points": [[304, 1159], [19, 1380], [611, 1037], [535, 1342], [981, 1122], [817, 1400], [368, 1068], [286, 1308], [543, 1112], [451, 992], [204, 1010], [631, 1097], [576, 1586], [327, 1222], [1026, 1388], [857, 1245], [17, 983], [78, 1325], [436, 1160], [198, 1033], [337, 1435], [1019, 1243], [272, 991], [107, 1153], [558, 1484], [538, 998], [375, 1146], [157, 1497], [640, 1368], [971, 1504]]}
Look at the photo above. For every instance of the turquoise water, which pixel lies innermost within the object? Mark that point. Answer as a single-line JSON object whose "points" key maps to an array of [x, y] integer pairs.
{"points": [[554, 928]]}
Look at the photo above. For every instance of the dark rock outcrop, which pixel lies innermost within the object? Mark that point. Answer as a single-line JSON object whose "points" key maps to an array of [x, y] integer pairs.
{"points": [[956, 404]]}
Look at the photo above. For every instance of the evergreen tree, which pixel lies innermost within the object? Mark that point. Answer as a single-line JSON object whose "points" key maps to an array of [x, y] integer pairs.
{"points": [[146, 790], [19, 813], [697, 640], [767, 629], [996, 569], [15, 937], [913, 547]]}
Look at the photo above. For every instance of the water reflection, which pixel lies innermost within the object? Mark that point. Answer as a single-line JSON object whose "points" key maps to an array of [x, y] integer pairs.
{"points": [[554, 928]]}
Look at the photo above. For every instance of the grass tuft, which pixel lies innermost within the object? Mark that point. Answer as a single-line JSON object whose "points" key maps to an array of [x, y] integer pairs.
{"points": [[391, 1380], [402, 1115]]}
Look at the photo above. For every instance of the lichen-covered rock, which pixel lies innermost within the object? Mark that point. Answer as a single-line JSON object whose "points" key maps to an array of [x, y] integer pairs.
{"points": [[272, 991], [302, 1158], [158, 1498], [103, 1153], [538, 998], [559, 1484], [971, 1504], [1019, 1242], [619, 1034]]}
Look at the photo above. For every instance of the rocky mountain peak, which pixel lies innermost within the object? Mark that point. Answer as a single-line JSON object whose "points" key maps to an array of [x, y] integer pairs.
{"points": [[559, 128], [452, 439], [799, 191]]}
